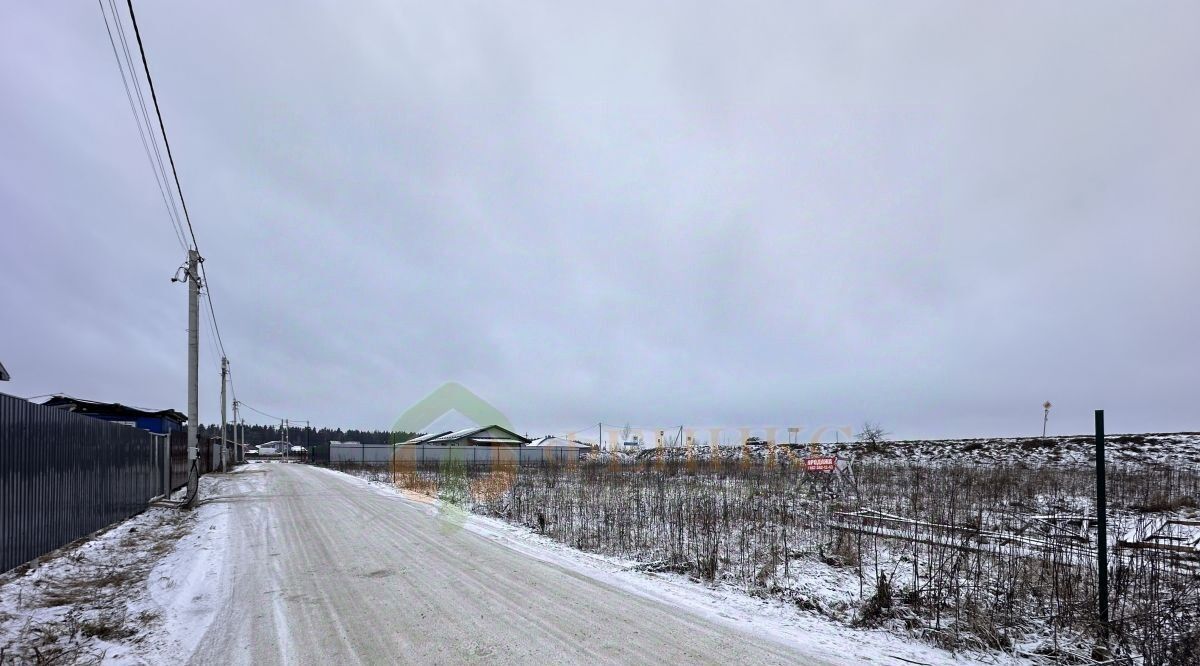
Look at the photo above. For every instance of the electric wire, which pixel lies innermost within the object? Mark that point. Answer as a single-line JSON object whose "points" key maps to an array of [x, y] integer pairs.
{"points": [[160, 175], [229, 375], [162, 190], [270, 416], [174, 171], [633, 427], [137, 86], [162, 126], [216, 326], [211, 345]]}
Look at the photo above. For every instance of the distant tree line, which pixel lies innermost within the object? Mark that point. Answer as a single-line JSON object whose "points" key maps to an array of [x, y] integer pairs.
{"points": [[256, 435]]}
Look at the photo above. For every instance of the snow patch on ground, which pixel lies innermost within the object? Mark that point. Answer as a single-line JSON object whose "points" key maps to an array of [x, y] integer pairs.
{"points": [[185, 586], [139, 592], [1178, 449]]}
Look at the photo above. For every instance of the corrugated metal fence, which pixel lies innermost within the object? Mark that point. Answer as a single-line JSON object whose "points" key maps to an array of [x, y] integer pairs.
{"points": [[355, 453], [208, 455], [65, 475]]}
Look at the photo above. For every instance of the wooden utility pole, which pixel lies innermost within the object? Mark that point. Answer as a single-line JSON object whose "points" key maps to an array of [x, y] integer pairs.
{"points": [[224, 443]]}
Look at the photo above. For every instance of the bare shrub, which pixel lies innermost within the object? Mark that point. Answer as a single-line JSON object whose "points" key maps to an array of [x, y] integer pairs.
{"points": [[941, 567]]}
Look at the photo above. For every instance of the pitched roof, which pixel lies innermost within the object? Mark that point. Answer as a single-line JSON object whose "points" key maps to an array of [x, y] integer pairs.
{"points": [[551, 440], [82, 406], [459, 434], [468, 432], [421, 439], [497, 440]]}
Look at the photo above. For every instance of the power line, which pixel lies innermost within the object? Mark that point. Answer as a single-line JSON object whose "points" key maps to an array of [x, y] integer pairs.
{"points": [[171, 158], [270, 416], [159, 173], [137, 86], [217, 355], [175, 173], [580, 431], [229, 375], [277, 418], [158, 112], [203, 277], [633, 427], [208, 294], [145, 115]]}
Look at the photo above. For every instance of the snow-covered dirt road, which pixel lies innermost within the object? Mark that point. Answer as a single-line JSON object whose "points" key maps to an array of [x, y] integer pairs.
{"points": [[320, 568]]}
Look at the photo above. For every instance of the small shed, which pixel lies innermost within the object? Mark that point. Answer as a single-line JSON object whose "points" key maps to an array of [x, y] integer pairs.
{"points": [[161, 421]]}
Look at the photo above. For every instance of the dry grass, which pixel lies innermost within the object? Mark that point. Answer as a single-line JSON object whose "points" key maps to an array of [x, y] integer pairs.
{"points": [[752, 524], [107, 580], [81, 595], [107, 627]]}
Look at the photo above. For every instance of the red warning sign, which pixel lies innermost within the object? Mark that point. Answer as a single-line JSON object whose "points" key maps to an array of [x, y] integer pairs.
{"points": [[823, 464]]}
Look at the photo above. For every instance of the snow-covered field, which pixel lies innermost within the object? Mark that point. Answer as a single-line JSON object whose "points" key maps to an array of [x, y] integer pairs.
{"points": [[1181, 448], [1152, 448], [995, 558], [147, 590], [771, 618]]}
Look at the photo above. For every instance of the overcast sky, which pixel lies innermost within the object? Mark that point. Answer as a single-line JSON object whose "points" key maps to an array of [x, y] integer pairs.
{"points": [[932, 215]]}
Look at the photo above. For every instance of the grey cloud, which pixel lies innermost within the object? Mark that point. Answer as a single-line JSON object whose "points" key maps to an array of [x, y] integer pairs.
{"points": [[931, 214]]}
